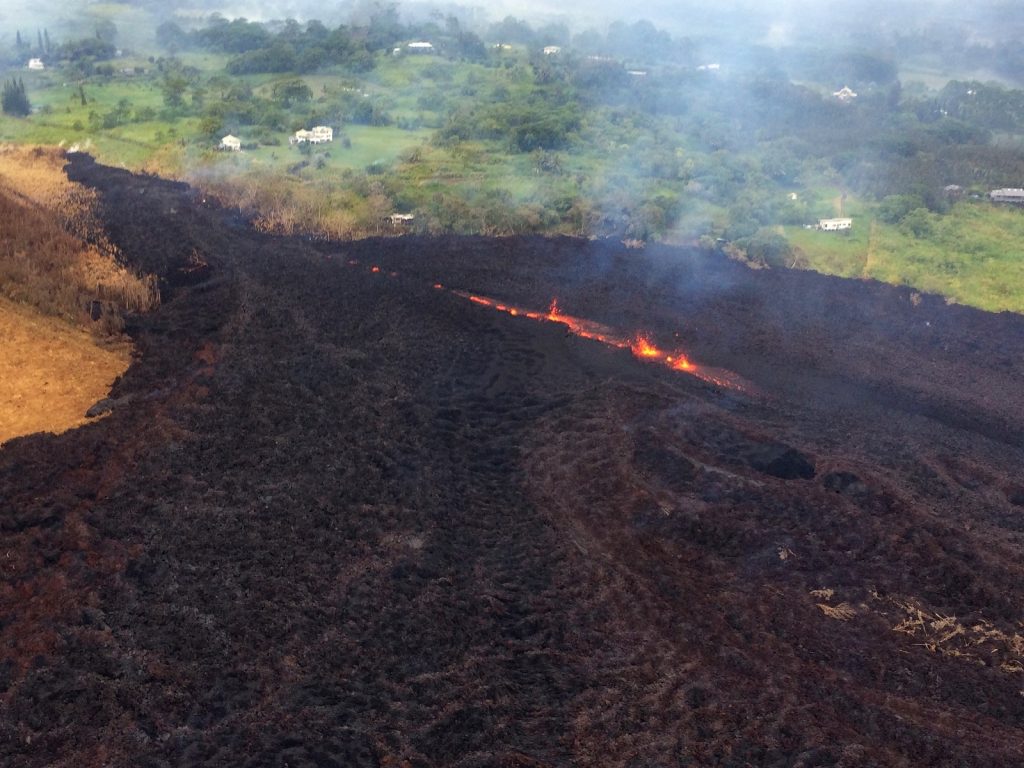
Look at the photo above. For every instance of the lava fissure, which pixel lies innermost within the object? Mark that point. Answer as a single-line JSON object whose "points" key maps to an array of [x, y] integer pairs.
{"points": [[639, 343]]}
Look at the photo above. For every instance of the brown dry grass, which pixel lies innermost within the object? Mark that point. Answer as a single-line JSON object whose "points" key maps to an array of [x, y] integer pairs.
{"points": [[53, 255], [974, 641], [50, 372]]}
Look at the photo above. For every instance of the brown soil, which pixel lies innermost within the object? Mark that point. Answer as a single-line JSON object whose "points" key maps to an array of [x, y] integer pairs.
{"points": [[54, 255], [343, 518], [50, 372]]}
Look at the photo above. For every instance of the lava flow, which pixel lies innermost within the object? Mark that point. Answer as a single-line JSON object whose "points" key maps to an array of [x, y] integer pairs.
{"points": [[639, 344]]}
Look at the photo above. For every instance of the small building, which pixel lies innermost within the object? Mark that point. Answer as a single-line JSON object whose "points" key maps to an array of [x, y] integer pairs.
{"points": [[231, 143], [845, 95], [400, 220], [834, 225], [713, 67], [36, 64], [636, 72], [420, 46], [552, 50], [1013, 195], [953, 191], [320, 134]]}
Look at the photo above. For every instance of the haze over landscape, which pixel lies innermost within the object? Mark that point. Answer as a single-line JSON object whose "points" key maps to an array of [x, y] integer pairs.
{"points": [[533, 384]]}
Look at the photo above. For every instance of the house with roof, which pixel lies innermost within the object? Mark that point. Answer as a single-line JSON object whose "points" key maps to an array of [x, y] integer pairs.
{"points": [[834, 225], [419, 46], [319, 134], [1010, 195], [36, 64], [230, 143]]}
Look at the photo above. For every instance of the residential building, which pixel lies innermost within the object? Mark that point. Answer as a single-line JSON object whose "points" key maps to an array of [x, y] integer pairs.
{"points": [[834, 225], [319, 134], [1013, 195]]}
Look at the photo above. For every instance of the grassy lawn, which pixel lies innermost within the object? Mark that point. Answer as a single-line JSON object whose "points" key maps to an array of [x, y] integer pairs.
{"points": [[369, 145], [974, 255], [835, 253]]}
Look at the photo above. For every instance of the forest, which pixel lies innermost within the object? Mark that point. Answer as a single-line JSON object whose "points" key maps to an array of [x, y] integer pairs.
{"points": [[508, 127]]}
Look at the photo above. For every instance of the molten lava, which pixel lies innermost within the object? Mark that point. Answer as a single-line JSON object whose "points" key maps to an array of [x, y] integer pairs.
{"points": [[640, 344], [644, 349]]}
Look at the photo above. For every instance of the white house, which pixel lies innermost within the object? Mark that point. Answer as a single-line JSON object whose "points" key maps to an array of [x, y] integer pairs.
{"points": [[401, 219], [1007, 196], [36, 64], [834, 225], [320, 134], [231, 143], [420, 46], [845, 94], [552, 50]]}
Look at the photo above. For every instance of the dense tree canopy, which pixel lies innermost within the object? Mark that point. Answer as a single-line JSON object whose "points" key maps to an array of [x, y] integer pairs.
{"points": [[14, 99]]}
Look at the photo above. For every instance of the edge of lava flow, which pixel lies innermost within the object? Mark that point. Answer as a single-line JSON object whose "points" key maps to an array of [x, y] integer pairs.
{"points": [[639, 344]]}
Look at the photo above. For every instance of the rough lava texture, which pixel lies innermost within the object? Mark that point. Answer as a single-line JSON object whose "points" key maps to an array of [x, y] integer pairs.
{"points": [[339, 517]]}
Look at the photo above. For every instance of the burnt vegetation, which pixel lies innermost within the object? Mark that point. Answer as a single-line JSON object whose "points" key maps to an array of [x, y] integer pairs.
{"points": [[338, 516]]}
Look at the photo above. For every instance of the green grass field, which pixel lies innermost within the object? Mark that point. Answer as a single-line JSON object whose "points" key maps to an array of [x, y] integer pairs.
{"points": [[974, 255]]}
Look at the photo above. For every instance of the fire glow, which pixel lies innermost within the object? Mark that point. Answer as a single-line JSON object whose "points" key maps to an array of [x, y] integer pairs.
{"points": [[640, 344]]}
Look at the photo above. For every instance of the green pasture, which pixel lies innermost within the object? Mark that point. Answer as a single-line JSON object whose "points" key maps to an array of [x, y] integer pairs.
{"points": [[973, 255]]}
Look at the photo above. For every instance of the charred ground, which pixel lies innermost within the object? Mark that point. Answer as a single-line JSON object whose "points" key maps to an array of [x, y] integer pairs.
{"points": [[338, 517]]}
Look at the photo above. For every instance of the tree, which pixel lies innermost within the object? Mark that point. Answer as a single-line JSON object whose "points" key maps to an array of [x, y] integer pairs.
{"points": [[171, 37], [14, 100], [106, 30], [173, 88], [289, 92], [769, 249]]}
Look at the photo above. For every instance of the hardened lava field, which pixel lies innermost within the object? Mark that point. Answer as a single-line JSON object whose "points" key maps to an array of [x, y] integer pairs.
{"points": [[341, 514]]}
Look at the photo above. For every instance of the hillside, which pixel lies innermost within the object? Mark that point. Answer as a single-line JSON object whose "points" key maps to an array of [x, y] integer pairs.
{"points": [[342, 514], [62, 294], [50, 372]]}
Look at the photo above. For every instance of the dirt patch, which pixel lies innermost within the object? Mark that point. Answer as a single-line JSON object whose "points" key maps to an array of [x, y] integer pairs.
{"points": [[50, 372]]}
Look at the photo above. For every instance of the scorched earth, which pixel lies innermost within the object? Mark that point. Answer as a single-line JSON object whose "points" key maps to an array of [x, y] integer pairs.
{"points": [[341, 514]]}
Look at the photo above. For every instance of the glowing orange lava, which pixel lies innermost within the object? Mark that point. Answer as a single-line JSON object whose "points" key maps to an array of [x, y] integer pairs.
{"points": [[643, 348], [680, 362], [640, 344]]}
